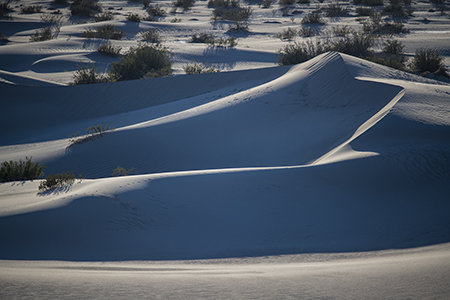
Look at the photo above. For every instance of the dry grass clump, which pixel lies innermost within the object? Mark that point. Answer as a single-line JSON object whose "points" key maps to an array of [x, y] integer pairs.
{"points": [[109, 49], [199, 68], [287, 34], [313, 18], [151, 36], [54, 181], [20, 170], [88, 75], [155, 12], [334, 10], [107, 31], [210, 40], [134, 17], [45, 34]]}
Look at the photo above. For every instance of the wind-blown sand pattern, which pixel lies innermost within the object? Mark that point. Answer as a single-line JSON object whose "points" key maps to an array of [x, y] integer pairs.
{"points": [[328, 179]]}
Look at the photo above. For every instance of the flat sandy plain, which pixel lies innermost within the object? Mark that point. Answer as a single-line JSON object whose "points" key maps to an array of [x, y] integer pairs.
{"points": [[324, 180]]}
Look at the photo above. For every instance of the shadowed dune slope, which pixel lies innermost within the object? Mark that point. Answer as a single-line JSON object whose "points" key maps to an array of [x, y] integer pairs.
{"points": [[310, 159]]}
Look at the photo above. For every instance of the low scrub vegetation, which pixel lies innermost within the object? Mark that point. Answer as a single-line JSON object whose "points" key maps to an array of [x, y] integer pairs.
{"points": [[334, 10], [210, 40], [119, 171], [375, 24], [199, 68], [287, 34], [142, 61], [426, 60], [45, 34], [104, 16], [88, 8], [184, 4], [369, 2], [88, 75], [155, 12], [313, 18], [151, 36], [134, 17], [52, 18], [109, 49], [20, 170], [54, 181], [31, 9], [92, 133], [108, 32], [231, 10]]}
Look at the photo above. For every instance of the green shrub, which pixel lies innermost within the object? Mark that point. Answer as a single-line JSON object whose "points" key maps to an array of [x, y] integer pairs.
{"points": [[185, 4], [151, 36], [21, 170], [119, 171], [426, 60], [364, 11], [88, 8], [375, 25], [313, 18], [287, 34], [358, 44], [92, 133], [51, 18], [199, 68], [155, 12], [222, 42], [104, 16], [393, 47], [307, 32], [394, 9], [3, 37], [145, 3], [108, 49], [108, 32], [298, 52], [143, 61], [31, 9], [54, 181], [341, 31], [87, 75], [335, 10], [134, 17], [45, 34], [230, 10]]}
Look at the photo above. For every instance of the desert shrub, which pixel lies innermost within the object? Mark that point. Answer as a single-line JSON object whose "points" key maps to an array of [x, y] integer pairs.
{"points": [[199, 68], [88, 8], [426, 60], [306, 1], [372, 2], [51, 18], [222, 42], [358, 44], [60, 2], [87, 75], [31, 9], [108, 31], [394, 9], [45, 34], [231, 10], [364, 11], [4, 9], [151, 36], [21, 170], [175, 20], [92, 133], [109, 49], [185, 4], [392, 61], [393, 47], [335, 10], [375, 25], [307, 32], [3, 37], [341, 31], [286, 2], [155, 12], [437, 1], [266, 3], [145, 3], [104, 16], [54, 181], [119, 171], [134, 17], [287, 34], [201, 38], [298, 52], [143, 61], [313, 18]]}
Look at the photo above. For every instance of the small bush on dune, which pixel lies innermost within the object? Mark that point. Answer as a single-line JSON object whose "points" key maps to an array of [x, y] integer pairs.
{"points": [[185, 4], [199, 68], [358, 44], [119, 171], [31, 9], [88, 8], [394, 47], [394, 9], [212, 41], [307, 32], [286, 2], [155, 12], [231, 10], [287, 34], [88, 75], [151, 36], [104, 16], [426, 60], [50, 18], [92, 133], [108, 49], [266, 3], [364, 11], [60, 2], [54, 181], [335, 10], [201, 38], [3, 37], [134, 17], [21, 170], [298, 52], [108, 31], [313, 18], [143, 61], [45, 34]]}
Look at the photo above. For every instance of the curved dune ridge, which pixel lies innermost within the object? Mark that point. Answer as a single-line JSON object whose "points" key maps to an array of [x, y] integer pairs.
{"points": [[331, 155]]}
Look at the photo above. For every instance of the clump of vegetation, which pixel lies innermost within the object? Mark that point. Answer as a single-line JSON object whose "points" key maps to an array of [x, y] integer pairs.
{"points": [[185, 4], [365, 11], [134, 17], [426, 60], [104, 16], [201, 38], [313, 18], [375, 25], [52, 18], [20, 170], [287, 34], [142, 61], [150, 35], [199, 68], [108, 31], [394, 8], [31, 9], [60, 2], [212, 41], [393, 47], [266, 3], [307, 32], [369, 2], [109, 49], [334, 10], [88, 75], [175, 20], [4, 9], [88, 8], [54, 181], [298, 52], [119, 171], [286, 2], [45, 34], [155, 12], [92, 133], [3, 37], [231, 10]]}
